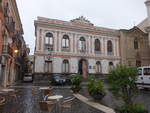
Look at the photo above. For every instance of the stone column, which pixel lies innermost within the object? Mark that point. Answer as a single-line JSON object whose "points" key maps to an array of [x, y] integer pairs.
{"points": [[76, 43], [60, 38], [89, 42], [102, 46], [55, 42], [105, 47], [93, 39], [114, 47], [42, 35], [117, 47], [37, 40], [71, 43]]}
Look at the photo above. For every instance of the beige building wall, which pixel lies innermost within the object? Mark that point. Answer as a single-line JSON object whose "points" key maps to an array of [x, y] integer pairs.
{"points": [[131, 56]]}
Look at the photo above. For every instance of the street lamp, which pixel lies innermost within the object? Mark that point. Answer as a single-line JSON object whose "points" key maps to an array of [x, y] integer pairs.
{"points": [[16, 51]]}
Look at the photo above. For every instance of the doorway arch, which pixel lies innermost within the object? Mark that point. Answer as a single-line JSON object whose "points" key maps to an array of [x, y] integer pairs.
{"points": [[83, 67]]}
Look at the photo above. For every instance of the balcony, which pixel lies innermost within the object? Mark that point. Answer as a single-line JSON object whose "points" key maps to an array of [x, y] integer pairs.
{"points": [[7, 50], [65, 49], [97, 52], [48, 47], [6, 10], [10, 24], [82, 51], [110, 53]]}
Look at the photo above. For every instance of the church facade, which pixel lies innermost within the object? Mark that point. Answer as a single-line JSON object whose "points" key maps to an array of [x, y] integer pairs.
{"points": [[75, 47]]}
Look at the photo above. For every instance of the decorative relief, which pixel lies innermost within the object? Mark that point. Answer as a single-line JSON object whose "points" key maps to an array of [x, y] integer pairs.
{"points": [[82, 20]]}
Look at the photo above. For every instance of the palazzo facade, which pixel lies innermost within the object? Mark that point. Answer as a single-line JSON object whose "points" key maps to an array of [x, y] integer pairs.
{"points": [[75, 46]]}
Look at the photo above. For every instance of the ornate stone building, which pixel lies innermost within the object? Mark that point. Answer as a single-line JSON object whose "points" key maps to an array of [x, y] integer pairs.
{"points": [[80, 47], [12, 44], [135, 50], [75, 47]]}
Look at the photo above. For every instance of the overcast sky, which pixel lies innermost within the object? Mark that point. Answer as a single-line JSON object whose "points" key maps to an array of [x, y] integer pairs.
{"points": [[117, 14]]}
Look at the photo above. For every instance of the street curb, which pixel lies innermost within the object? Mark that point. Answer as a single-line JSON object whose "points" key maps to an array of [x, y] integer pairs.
{"points": [[98, 106]]}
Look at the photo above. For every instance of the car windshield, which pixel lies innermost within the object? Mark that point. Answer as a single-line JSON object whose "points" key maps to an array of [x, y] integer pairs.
{"points": [[58, 76]]}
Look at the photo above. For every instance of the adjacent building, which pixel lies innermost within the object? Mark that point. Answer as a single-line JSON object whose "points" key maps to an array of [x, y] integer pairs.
{"points": [[12, 44]]}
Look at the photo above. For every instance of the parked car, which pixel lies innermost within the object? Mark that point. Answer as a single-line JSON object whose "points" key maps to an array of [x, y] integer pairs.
{"points": [[143, 80], [28, 77], [68, 79], [58, 79]]}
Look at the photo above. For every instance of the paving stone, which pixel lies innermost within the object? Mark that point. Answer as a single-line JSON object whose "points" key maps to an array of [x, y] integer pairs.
{"points": [[29, 103]]}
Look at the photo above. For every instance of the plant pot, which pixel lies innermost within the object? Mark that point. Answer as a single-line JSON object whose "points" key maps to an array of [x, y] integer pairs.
{"points": [[137, 112], [98, 96], [76, 90], [125, 111]]}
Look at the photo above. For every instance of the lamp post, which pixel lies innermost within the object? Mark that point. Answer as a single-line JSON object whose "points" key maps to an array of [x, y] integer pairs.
{"points": [[16, 51]]}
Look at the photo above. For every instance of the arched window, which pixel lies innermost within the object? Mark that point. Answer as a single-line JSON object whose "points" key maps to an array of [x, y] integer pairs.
{"points": [[65, 41], [65, 66], [111, 66], [49, 38], [98, 67], [97, 45], [49, 41], [110, 47], [82, 44], [136, 45]]}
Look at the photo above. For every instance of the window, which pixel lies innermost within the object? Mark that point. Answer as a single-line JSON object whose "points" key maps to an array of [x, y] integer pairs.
{"points": [[82, 44], [98, 67], [146, 71], [138, 63], [139, 71], [65, 66], [48, 67], [109, 48], [49, 42], [97, 45], [111, 65], [65, 41], [136, 45], [49, 38]]}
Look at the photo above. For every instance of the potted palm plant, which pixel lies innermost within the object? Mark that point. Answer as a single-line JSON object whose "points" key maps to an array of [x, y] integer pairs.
{"points": [[96, 88], [122, 85], [76, 82]]}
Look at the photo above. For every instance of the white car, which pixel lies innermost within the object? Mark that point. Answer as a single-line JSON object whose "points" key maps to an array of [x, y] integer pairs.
{"points": [[143, 80], [28, 77]]}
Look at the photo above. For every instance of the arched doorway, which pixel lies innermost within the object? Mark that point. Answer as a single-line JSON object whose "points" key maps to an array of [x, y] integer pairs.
{"points": [[83, 68]]}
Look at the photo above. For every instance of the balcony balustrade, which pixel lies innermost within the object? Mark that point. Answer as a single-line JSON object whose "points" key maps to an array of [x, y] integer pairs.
{"points": [[65, 49], [97, 52], [6, 10], [10, 24], [7, 50]]}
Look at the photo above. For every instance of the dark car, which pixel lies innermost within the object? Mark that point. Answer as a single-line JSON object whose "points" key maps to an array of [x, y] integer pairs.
{"points": [[68, 80], [58, 79]]}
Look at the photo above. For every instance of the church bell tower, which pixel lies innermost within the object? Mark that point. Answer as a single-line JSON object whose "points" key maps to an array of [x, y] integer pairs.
{"points": [[147, 27]]}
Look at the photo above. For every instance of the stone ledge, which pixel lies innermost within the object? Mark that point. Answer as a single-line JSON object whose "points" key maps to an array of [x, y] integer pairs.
{"points": [[98, 106]]}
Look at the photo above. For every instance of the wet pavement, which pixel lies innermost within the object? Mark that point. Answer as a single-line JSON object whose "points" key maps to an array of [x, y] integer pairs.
{"points": [[27, 102], [143, 97]]}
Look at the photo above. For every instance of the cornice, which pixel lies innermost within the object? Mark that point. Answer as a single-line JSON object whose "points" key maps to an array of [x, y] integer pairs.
{"points": [[16, 13], [147, 2], [78, 28]]}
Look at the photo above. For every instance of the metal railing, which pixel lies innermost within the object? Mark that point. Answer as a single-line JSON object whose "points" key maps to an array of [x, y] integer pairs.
{"points": [[7, 50], [10, 24]]}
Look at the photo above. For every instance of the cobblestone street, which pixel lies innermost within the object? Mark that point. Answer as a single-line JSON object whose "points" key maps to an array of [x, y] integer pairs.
{"points": [[29, 103]]}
